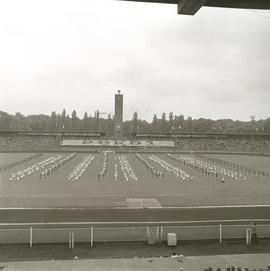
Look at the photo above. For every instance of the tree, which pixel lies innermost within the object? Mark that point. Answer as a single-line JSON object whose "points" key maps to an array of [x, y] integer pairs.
{"points": [[97, 120], [189, 124], [53, 121], [74, 120], [68, 123], [155, 124], [163, 122], [204, 125], [5, 121], [109, 127], [171, 124], [44, 122], [127, 129], [21, 122], [85, 122], [266, 125], [252, 117], [135, 123], [179, 122], [63, 119]]}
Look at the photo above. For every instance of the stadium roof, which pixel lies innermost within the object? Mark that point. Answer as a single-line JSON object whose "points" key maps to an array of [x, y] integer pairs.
{"points": [[190, 7]]}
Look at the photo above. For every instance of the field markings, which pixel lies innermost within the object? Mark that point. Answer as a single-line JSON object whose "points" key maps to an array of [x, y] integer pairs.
{"points": [[133, 223], [152, 195], [215, 206], [138, 208]]}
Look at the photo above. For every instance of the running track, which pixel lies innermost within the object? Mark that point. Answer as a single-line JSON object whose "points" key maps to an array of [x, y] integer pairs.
{"points": [[141, 216]]}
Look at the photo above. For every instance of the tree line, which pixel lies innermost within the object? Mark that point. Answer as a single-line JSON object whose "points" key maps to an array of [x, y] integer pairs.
{"points": [[171, 123]]}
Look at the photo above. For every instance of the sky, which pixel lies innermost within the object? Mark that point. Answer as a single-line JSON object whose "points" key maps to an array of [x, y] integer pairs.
{"points": [[75, 54]]}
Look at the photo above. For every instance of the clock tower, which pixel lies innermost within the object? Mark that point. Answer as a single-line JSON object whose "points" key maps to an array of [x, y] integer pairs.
{"points": [[118, 115]]}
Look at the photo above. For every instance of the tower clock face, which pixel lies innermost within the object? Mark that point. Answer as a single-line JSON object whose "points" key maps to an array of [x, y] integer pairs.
{"points": [[118, 126]]}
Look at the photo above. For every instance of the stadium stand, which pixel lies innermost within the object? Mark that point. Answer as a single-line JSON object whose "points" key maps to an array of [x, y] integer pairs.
{"points": [[230, 145], [259, 143], [54, 141], [28, 142], [117, 143]]}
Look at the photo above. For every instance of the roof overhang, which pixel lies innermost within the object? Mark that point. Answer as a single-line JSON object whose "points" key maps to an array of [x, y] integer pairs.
{"points": [[190, 7]]}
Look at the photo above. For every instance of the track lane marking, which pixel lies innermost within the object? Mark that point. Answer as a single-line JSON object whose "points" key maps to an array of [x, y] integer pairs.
{"points": [[138, 208], [219, 221]]}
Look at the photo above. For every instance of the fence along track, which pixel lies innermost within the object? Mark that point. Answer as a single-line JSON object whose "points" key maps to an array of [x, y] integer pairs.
{"points": [[123, 231]]}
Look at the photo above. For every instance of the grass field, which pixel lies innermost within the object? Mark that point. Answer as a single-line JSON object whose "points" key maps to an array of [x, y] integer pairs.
{"points": [[89, 191]]}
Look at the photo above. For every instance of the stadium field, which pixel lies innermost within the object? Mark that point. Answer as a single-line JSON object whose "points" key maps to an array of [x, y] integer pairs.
{"points": [[127, 182]]}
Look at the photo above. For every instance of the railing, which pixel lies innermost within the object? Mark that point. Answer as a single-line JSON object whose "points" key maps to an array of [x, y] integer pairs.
{"points": [[151, 232]]}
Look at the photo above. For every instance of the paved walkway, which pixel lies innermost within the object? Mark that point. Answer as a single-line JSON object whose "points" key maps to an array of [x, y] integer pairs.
{"points": [[252, 261]]}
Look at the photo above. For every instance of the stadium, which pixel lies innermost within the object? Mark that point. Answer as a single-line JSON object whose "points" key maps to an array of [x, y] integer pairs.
{"points": [[183, 183], [81, 187]]}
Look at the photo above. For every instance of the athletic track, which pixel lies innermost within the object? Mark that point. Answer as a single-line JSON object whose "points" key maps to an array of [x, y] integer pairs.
{"points": [[142, 216]]}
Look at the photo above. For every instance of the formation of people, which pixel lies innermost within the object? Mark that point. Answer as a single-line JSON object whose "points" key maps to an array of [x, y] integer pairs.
{"points": [[184, 167], [20, 174], [58, 164], [81, 168], [104, 167], [22, 162], [236, 167], [115, 169], [126, 168], [208, 169], [155, 173], [234, 268], [179, 173]]}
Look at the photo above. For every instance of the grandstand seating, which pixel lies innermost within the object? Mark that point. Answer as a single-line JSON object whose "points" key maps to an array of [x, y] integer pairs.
{"points": [[28, 142], [118, 143], [230, 145], [47, 142]]}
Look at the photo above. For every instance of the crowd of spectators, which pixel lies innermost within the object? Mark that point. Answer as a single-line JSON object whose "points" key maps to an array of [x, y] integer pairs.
{"points": [[50, 142], [230, 145], [28, 142]]}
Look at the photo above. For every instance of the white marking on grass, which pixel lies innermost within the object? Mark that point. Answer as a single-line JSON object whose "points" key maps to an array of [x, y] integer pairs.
{"points": [[152, 223], [137, 208], [216, 206]]}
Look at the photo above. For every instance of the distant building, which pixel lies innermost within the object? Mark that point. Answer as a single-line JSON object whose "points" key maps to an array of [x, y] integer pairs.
{"points": [[118, 115]]}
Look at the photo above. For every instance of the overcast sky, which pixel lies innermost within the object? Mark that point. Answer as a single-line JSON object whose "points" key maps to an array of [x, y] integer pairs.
{"points": [[75, 54]]}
